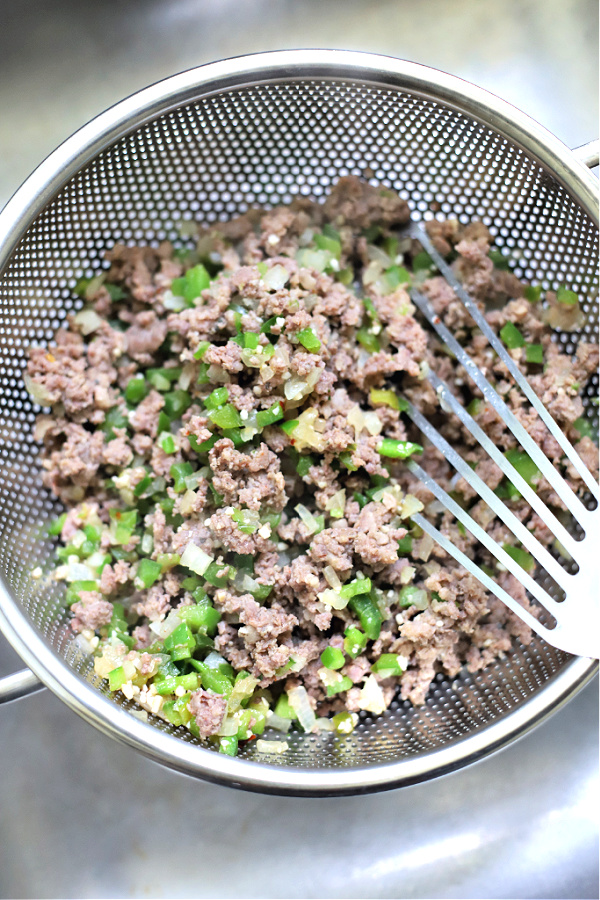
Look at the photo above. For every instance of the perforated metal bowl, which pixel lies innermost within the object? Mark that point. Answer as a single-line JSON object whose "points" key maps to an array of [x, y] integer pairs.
{"points": [[205, 145]]}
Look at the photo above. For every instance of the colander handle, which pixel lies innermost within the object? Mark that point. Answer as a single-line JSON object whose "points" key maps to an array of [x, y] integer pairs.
{"points": [[18, 685], [588, 153]]}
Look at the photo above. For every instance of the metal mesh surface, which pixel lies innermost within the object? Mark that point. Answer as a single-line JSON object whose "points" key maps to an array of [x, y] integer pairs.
{"points": [[217, 157]]}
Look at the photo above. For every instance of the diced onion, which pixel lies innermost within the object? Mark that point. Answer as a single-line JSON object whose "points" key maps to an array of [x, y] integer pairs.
{"points": [[163, 629], [376, 253], [76, 571], [371, 697], [275, 278], [329, 677], [372, 272], [372, 423], [195, 559], [364, 420], [407, 574], [336, 504], [308, 431], [271, 746], [187, 374], [88, 321], [300, 703], [423, 547], [297, 388], [307, 517], [331, 577], [241, 691], [420, 599], [229, 726], [170, 301], [37, 391], [331, 598], [187, 503], [218, 375], [279, 723], [409, 506], [324, 724]]}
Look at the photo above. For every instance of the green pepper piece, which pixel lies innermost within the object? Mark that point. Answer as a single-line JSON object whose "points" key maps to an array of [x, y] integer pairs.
{"points": [[398, 449], [217, 398], [56, 526], [511, 336], [388, 666], [116, 679], [137, 388], [269, 416], [218, 575], [368, 340], [122, 525], [148, 572], [343, 685], [524, 559], [115, 418], [226, 417], [179, 472], [368, 614], [354, 641], [332, 658], [309, 340], [176, 403], [228, 745], [352, 588]]}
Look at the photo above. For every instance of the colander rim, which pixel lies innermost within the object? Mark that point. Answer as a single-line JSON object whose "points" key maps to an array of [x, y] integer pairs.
{"points": [[39, 189]]}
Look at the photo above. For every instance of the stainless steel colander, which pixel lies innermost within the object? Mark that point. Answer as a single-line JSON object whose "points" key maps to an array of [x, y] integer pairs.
{"points": [[204, 146]]}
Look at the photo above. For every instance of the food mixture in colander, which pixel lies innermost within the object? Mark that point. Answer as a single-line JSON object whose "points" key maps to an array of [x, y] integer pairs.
{"points": [[227, 434]]}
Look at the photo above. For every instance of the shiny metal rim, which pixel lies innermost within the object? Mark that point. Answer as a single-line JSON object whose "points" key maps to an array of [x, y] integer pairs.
{"points": [[54, 173]]}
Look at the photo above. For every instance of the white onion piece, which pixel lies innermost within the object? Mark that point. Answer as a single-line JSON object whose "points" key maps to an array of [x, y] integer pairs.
{"points": [[336, 504], [172, 302], [37, 391], [300, 703], [371, 697], [229, 726], [407, 574], [307, 517], [186, 504], [331, 577], [214, 660], [372, 423], [77, 571], [409, 506], [308, 431], [331, 598], [275, 278], [372, 272], [167, 626], [195, 559], [279, 723], [424, 547], [88, 321], [218, 375], [420, 599], [271, 746], [323, 724], [187, 374]]}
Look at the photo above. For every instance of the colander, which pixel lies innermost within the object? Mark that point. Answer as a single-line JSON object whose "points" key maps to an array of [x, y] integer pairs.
{"points": [[206, 145]]}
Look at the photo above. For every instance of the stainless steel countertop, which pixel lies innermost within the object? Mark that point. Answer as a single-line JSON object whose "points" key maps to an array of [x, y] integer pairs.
{"points": [[85, 817]]}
